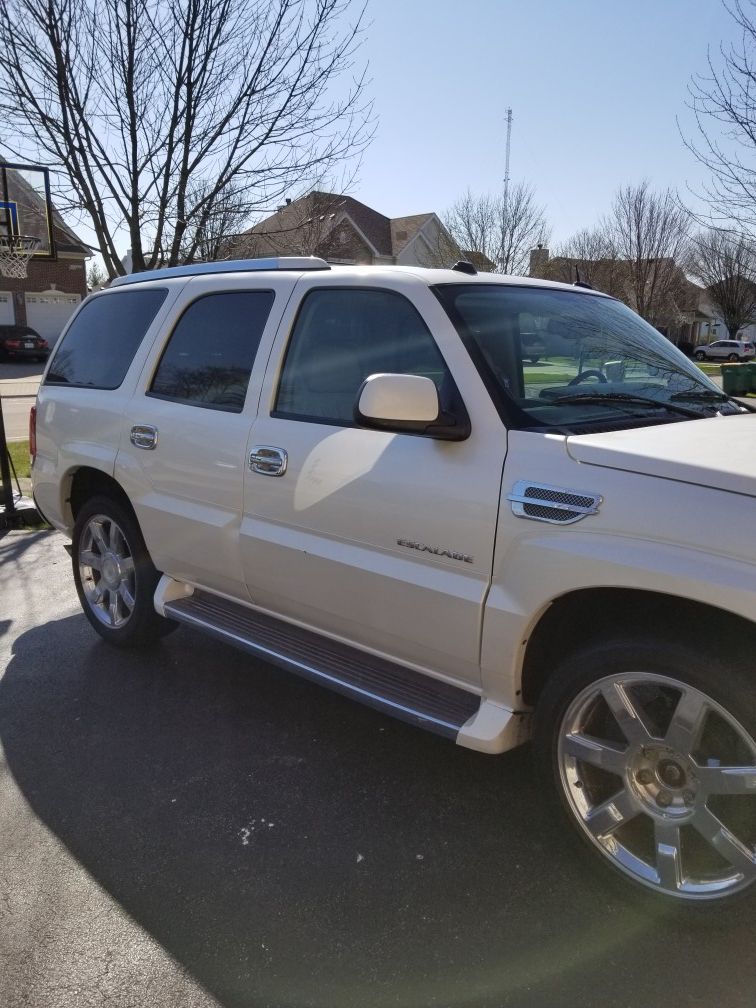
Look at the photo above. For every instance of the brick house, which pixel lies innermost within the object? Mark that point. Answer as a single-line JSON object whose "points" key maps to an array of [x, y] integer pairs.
{"points": [[340, 229]]}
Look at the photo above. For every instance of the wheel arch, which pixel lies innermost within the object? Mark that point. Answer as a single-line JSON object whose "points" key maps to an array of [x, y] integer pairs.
{"points": [[580, 616], [86, 482]]}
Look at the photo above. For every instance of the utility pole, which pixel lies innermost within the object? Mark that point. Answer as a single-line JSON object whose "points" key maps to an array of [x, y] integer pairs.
{"points": [[506, 160]]}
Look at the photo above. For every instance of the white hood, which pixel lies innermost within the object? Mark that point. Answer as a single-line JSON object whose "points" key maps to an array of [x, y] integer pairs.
{"points": [[719, 452]]}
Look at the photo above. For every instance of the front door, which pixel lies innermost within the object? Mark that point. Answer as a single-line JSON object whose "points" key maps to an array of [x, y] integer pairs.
{"points": [[382, 539]]}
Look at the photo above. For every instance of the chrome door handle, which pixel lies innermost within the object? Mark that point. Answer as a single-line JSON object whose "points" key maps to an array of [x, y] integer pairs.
{"points": [[268, 461], [144, 436]]}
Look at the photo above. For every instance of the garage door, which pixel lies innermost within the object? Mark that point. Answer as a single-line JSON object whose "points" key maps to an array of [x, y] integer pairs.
{"points": [[6, 308], [48, 312]]}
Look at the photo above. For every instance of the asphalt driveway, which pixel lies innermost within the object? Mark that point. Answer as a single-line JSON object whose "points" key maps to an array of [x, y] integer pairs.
{"points": [[189, 827]]}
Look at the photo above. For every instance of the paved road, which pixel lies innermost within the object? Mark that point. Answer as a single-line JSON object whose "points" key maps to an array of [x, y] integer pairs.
{"points": [[188, 827]]}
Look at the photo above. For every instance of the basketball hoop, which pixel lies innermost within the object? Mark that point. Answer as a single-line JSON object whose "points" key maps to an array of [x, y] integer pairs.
{"points": [[15, 253]]}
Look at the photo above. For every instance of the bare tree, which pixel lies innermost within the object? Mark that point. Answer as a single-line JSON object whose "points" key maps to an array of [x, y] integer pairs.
{"points": [[589, 255], [651, 233], [503, 230], [153, 111], [724, 104], [726, 266]]}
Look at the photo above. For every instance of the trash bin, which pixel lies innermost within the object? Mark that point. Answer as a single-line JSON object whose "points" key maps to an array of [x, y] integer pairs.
{"points": [[730, 379]]}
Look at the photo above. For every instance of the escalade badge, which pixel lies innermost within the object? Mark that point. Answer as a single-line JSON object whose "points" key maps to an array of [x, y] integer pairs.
{"points": [[437, 550]]}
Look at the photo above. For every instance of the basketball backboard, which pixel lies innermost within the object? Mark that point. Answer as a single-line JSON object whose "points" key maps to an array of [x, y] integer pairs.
{"points": [[26, 206]]}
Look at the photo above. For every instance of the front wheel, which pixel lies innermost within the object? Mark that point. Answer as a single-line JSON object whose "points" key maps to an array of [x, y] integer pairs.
{"points": [[651, 748], [115, 577], [700, 356]]}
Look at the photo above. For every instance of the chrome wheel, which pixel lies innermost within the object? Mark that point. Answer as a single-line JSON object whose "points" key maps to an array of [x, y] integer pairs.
{"points": [[107, 571], [662, 780]]}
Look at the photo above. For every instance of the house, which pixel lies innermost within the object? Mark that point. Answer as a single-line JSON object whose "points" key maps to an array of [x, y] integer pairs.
{"points": [[681, 310], [340, 229], [56, 279]]}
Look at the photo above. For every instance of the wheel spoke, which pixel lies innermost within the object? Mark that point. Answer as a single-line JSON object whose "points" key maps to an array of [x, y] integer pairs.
{"points": [[95, 594], [595, 752], [99, 536], [127, 565], [113, 607], [607, 817], [126, 596], [90, 559], [728, 780], [687, 722], [115, 538], [627, 716], [723, 841], [668, 854]]}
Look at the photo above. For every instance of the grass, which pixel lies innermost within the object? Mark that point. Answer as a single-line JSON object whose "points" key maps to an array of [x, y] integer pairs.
{"points": [[19, 453]]}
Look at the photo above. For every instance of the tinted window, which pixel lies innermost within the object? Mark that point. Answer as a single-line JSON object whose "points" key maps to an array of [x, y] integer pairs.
{"points": [[210, 355], [343, 336], [101, 342]]}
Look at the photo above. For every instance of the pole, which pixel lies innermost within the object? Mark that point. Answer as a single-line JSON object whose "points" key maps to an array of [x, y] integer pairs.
{"points": [[10, 507], [506, 159]]}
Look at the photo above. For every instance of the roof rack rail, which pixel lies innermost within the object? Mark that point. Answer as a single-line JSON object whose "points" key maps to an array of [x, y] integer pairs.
{"points": [[225, 266]]}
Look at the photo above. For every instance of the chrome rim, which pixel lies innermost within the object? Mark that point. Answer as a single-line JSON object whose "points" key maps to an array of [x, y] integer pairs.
{"points": [[662, 780], [106, 567]]}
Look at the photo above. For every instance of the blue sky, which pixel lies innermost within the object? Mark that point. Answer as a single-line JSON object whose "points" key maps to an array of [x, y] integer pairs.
{"points": [[595, 87]]}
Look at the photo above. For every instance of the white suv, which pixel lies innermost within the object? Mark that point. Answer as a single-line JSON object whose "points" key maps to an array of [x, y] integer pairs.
{"points": [[349, 471], [730, 350]]}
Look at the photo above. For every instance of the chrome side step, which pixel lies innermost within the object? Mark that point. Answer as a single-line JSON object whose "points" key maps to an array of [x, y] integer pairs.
{"points": [[394, 689]]}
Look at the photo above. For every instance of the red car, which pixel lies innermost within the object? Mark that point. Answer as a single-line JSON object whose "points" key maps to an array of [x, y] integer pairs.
{"points": [[22, 343]]}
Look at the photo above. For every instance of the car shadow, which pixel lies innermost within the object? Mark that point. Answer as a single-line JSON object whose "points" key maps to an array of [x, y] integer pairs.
{"points": [[288, 847]]}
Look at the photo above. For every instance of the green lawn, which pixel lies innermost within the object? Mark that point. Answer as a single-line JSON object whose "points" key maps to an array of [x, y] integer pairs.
{"points": [[19, 453]]}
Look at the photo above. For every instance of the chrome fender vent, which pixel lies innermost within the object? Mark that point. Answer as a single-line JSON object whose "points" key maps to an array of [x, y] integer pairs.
{"points": [[552, 504]]}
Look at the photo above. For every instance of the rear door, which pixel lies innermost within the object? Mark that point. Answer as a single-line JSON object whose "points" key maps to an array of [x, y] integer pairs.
{"points": [[381, 539], [184, 442]]}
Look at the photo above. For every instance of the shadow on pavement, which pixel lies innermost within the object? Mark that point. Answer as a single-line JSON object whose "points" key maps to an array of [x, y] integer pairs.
{"points": [[290, 848]]}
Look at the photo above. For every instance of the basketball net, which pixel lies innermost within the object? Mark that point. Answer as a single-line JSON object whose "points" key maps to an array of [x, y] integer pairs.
{"points": [[15, 253]]}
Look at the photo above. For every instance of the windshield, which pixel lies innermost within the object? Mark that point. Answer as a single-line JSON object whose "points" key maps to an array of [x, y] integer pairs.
{"points": [[572, 360]]}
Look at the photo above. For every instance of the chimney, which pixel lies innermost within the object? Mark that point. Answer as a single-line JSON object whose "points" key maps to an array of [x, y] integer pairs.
{"points": [[539, 262]]}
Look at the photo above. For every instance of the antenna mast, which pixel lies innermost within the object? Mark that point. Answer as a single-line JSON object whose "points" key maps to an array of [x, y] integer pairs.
{"points": [[506, 160]]}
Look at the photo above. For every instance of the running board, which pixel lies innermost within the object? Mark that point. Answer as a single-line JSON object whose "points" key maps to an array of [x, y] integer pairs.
{"points": [[393, 689]]}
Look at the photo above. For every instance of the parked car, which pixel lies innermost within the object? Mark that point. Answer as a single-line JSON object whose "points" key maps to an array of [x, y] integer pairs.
{"points": [[19, 342], [730, 350], [344, 470]]}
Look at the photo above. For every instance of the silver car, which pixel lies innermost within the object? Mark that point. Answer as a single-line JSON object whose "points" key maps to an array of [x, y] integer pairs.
{"points": [[731, 350]]}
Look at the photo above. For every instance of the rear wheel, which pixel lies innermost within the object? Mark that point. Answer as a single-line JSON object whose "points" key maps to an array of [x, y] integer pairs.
{"points": [[733, 357], [115, 577], [651, 748]]}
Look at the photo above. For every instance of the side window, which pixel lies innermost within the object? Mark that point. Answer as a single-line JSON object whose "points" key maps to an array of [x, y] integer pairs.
{"points": [[339, 339], [100, 344], [209, 357]]}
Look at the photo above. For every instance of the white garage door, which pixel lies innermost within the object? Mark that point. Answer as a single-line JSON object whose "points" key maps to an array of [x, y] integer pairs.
{"points": [[48, 312], [6, 308]]}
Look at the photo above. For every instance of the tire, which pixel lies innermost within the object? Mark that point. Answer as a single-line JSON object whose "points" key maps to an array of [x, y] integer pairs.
{"points": [[733, 357], [669, 808], [108, 545], [700, 356]]}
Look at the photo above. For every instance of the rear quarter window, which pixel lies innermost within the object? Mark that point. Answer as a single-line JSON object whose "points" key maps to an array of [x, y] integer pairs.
{"points": [[102, 340]]}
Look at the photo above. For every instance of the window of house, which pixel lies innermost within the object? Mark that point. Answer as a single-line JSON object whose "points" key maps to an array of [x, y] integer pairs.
{"points": [[340, 338], [209, 357], [103, 338]]}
